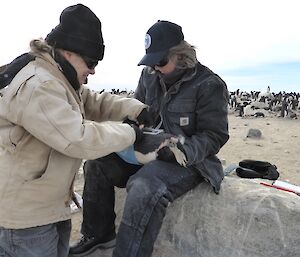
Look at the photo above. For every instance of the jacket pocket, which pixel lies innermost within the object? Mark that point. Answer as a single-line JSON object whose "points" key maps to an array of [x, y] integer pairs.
{"points": [[53, 184], [183, 106], [11, 136], [183, 114], [16, 134]]}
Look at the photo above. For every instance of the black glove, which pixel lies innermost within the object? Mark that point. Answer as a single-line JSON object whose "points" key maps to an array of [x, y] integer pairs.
{"points": [[129, 122], [145, 118], [165, 154], [138, 133]]}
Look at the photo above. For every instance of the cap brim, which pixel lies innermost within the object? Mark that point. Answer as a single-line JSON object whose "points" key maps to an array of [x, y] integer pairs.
{"points": [[151, 59]]}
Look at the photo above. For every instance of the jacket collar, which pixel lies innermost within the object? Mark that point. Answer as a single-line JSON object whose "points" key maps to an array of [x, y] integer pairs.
{"points": [[187, 75]]}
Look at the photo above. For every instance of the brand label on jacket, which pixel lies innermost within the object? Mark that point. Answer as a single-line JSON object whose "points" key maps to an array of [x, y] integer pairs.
{"points": [[184, 121]]}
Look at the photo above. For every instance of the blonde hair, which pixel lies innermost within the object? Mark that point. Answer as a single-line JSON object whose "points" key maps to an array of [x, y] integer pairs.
{"points": [[186, 55], [40, 45]]}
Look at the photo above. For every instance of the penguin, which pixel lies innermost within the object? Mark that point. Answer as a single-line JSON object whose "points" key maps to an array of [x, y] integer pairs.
{"points": [[146, 150]]}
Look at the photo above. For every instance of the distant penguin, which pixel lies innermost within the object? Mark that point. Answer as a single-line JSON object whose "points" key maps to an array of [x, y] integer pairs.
{"points": [[259, 114]]}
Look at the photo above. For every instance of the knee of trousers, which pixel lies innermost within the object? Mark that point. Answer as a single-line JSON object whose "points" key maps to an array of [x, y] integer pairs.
{"points": [[145, 186], [143, 201], [90, 167]]}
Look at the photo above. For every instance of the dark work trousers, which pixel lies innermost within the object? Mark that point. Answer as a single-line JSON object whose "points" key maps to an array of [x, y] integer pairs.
{"points": [[150, 188]]}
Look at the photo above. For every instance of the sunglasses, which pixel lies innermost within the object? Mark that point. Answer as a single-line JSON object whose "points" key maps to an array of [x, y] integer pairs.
{"points": [[162, 62], [90, 63]]}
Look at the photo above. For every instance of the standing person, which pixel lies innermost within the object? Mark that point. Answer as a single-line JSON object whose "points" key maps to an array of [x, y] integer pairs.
{"points": [[49, 122], [189, 100]]}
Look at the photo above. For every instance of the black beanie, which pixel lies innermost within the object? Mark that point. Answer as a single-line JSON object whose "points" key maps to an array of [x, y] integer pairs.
{"points": [[79, 31]]}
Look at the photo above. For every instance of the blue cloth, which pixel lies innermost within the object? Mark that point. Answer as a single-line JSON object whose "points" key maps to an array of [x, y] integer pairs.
{"points": [[128, 155]]}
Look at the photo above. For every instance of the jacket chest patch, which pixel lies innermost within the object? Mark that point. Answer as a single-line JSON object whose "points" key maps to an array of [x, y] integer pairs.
{"points": [[184, 121]]}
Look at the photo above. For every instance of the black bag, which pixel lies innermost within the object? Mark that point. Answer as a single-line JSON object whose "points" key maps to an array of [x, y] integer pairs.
{"points": [[257, 169], [9, 71]]}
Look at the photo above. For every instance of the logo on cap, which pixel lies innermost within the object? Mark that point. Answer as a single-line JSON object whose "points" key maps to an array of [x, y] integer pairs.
{"points": [[147, 41]]}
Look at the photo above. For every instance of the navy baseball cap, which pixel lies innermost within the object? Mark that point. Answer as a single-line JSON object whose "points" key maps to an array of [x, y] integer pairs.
{"points": [[162, 36]]}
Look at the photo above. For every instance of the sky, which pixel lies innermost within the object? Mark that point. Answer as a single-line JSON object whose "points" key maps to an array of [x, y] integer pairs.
{"points": [[251, 44]]}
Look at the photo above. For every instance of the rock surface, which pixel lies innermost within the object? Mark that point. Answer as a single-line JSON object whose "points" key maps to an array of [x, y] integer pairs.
{"points": [[246, 219]]}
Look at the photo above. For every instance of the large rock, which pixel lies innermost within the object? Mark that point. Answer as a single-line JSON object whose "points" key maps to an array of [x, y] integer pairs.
{"points": [[245, 219]]}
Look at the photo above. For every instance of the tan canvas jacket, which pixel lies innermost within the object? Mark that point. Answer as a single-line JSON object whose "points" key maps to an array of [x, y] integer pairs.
{"points": [[46, 129]]}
